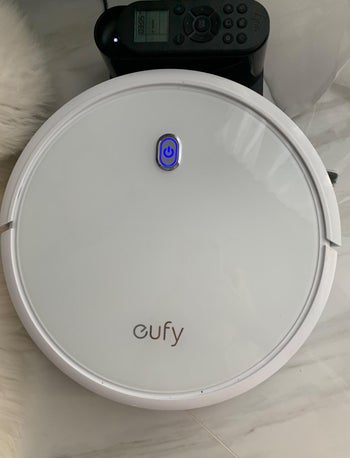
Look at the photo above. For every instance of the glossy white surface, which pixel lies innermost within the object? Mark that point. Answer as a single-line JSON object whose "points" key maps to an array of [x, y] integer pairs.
{"points": [[303, 411], [228, 251]]}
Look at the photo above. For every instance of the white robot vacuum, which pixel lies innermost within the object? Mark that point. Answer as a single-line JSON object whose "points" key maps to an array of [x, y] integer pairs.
{"points": [[169, 239]]}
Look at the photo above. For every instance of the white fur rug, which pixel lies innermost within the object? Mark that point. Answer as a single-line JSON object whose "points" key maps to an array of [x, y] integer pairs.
{"points": [[25, 100]]}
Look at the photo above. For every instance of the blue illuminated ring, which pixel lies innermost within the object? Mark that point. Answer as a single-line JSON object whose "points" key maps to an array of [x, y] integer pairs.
{"points": [[168, 147]]}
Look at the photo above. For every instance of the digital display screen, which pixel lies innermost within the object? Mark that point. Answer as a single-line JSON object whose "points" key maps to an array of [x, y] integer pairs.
{"points": [[151, 26]]}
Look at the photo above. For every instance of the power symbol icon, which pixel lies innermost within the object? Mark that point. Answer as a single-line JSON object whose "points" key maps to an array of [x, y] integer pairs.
{"points": [[168, 152]]}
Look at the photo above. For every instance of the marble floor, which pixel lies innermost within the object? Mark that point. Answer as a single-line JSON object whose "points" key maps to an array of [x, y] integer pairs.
{"points": [[303, 411]]}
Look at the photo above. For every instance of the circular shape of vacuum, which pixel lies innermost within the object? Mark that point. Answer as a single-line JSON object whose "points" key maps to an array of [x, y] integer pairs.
{"points": [[168, 239]]}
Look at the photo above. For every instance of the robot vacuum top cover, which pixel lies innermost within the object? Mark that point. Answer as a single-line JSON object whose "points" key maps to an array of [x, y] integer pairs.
{"points": [[168, 239]]}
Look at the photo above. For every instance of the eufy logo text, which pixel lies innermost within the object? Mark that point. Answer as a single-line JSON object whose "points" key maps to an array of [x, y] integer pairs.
{"points": [[166, 332]]}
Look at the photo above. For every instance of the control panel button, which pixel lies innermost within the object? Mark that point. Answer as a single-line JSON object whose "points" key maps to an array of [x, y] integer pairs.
{"points": [[179, 39], [227, 38], [228, 8], [242, 22], [188, 24], [202, 24], [179, 9], [201, 37], [228, 23], [202, 10], [241, 38], [168, 152], [242, 8], [215, 23]]}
